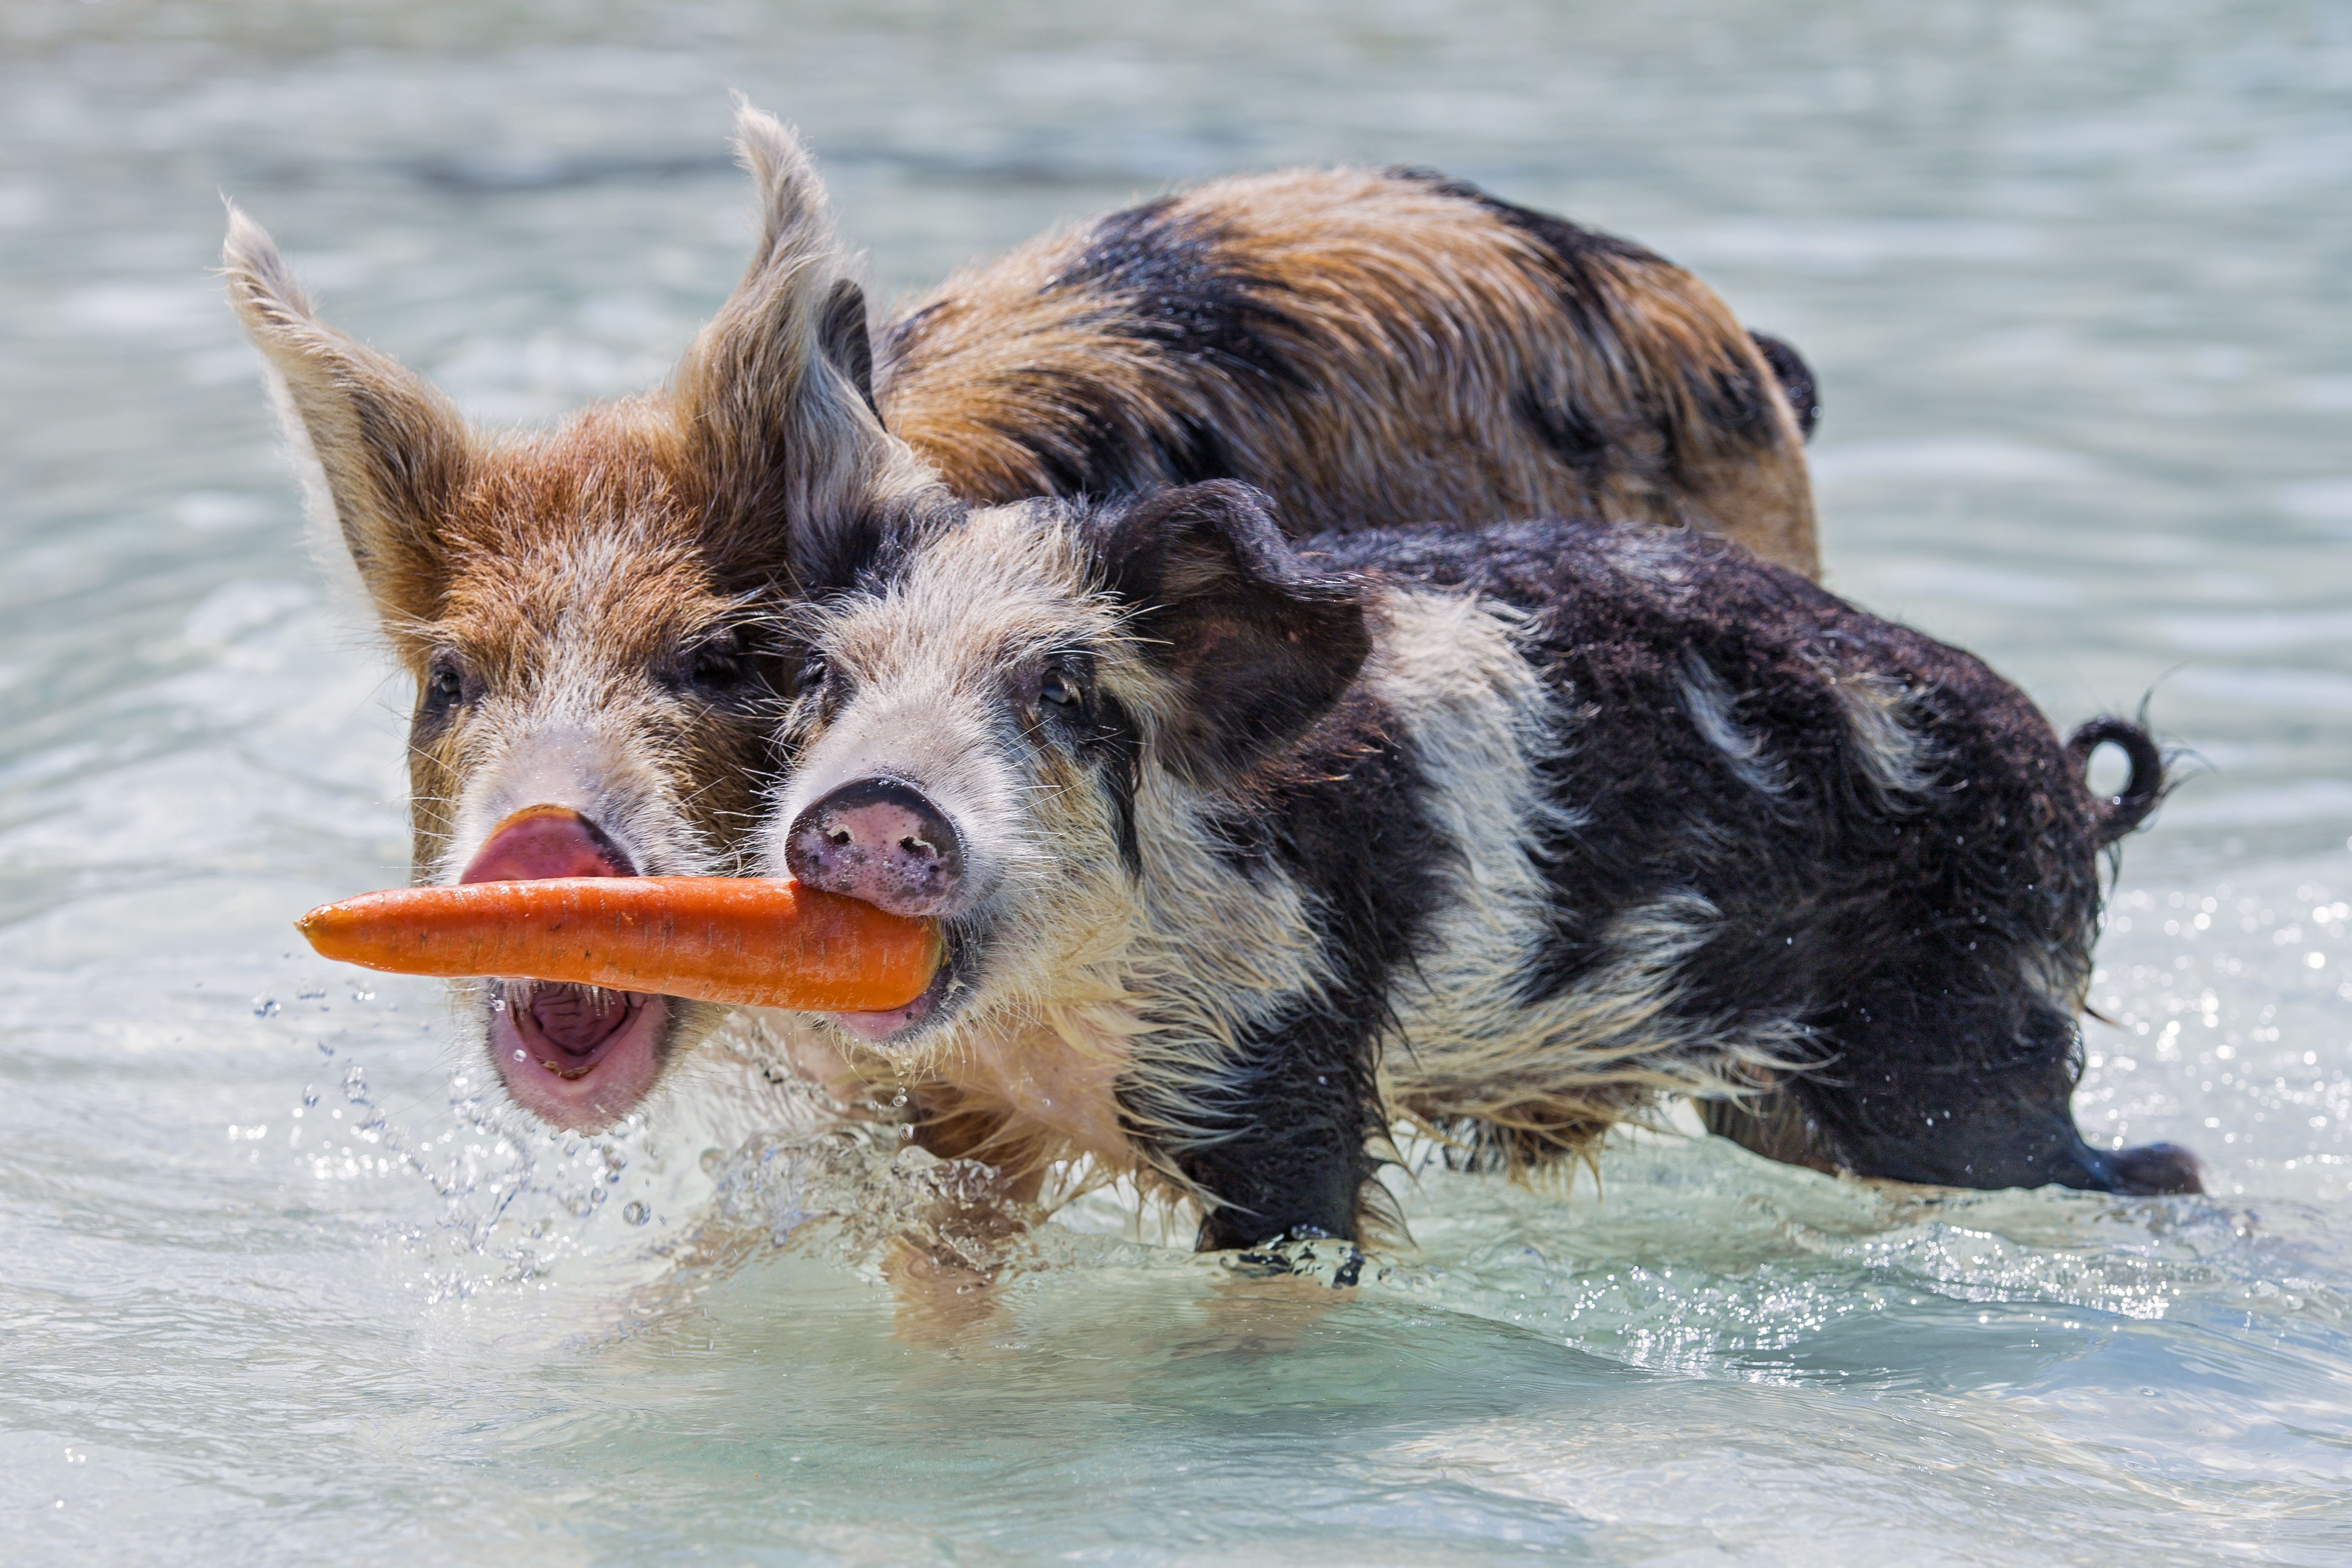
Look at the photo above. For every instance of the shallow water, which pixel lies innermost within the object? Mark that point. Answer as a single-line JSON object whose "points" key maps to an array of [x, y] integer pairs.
{"points": [[279, 1285]]}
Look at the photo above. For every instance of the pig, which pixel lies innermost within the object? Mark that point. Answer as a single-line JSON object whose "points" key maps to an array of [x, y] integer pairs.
{"points": [[1247, 849], [590, 612], [1367, 347]]}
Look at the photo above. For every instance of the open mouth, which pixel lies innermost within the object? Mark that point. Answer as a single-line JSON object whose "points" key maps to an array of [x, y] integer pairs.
{"points": [[576, 1057], [900, 1024]]}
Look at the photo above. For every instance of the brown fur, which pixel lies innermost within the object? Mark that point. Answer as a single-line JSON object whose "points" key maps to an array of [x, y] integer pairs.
{"points": [[1414, 320]]}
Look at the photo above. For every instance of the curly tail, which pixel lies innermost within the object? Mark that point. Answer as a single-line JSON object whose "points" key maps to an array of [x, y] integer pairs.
{"points": [[2119, 814]]}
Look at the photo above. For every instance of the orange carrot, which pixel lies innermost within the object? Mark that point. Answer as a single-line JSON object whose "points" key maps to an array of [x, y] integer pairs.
{"points": [[715, 939]]}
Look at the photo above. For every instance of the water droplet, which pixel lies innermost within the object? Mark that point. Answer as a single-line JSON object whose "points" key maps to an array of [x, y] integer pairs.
{"points": [[264, 1006], [636, 1214]]}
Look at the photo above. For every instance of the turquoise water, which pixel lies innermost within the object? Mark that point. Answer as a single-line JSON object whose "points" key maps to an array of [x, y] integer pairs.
{"points": [[281, 1283]]}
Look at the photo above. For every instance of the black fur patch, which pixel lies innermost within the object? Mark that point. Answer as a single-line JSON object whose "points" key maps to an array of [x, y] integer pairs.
{"points": [[1165, 278], [1177, 287], [1731, 398], [1796, 379], [1578, 259], [842, 333], [1572, 434], [1116, 741], [836, 555], [1260, 649], [1571, 250], [1346, 816], [1110, 448], [1566, 424]]}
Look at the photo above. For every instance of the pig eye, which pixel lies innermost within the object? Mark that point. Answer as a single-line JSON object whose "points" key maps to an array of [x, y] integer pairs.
{"points": [[445, 684], [810, 677], [722, 668], [717, 667], [1059, 690]]}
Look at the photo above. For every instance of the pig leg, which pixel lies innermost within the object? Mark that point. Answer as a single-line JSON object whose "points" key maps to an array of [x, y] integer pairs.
{"points": [[1300, 1105]]}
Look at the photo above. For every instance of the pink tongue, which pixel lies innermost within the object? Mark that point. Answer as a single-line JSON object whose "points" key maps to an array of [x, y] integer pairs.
{"points": [[572, 1020]]}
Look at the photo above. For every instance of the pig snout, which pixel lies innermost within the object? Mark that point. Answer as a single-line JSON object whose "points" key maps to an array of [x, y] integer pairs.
{"points": [[881, 841], [543, 841]]}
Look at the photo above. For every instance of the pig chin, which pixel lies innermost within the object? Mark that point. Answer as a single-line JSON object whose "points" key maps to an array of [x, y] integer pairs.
{"points": [[907, 1028], [576, 1058]]}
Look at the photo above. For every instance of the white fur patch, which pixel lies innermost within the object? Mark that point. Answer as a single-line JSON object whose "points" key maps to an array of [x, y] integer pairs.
{"points": [[1482, 720], [1714, 709], [1894, 755]]}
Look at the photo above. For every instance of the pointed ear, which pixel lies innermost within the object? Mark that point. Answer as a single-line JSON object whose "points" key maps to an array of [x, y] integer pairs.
{"points": [[1257, 649], [388, 453], [778, 390]]}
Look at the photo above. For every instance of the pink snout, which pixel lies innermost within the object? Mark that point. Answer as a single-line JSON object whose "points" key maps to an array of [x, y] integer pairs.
{"points": [[543, 841], [881, 841]]}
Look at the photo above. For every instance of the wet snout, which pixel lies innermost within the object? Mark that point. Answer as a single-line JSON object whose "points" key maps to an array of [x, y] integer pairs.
{"points": [[882, 841]]}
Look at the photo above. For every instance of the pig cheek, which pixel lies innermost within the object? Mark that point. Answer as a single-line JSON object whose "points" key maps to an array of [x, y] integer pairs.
{"points": [[433, 786]]}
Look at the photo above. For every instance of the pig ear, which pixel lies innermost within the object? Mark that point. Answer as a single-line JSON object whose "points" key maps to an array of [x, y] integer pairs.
{"points": [[846, 343], [778, 390], [1258, 649], [387, 453]]}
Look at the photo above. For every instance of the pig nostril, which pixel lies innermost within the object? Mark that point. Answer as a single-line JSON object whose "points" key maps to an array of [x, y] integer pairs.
{"points": [[880, 840]]}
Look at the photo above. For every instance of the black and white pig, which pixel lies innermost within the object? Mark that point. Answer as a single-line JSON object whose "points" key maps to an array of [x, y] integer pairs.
{"points": [[1247, 849]]}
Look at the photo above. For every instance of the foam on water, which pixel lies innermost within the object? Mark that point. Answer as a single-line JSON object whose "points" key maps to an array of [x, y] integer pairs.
{"points": [[284, 1282]]}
